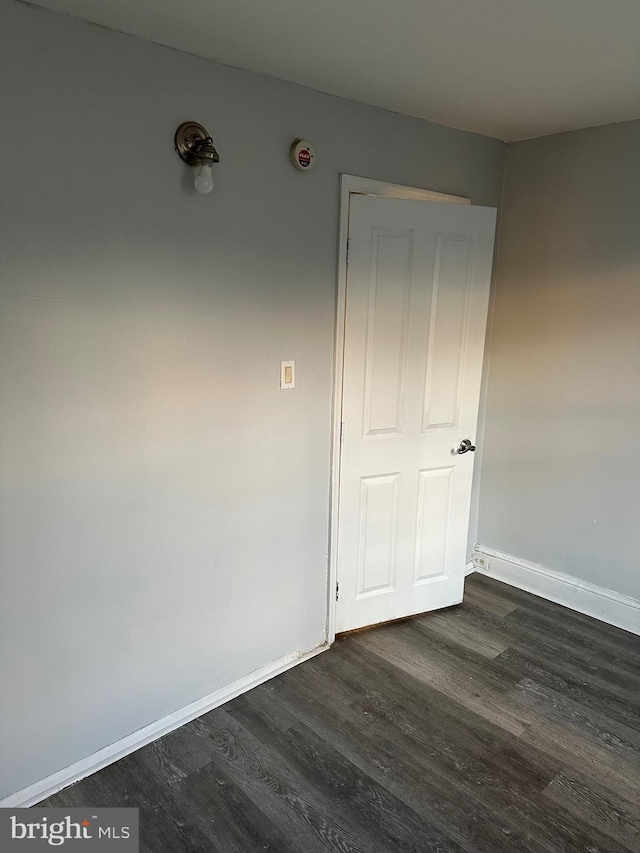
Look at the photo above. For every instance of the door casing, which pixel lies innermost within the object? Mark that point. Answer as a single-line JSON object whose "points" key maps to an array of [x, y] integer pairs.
{"points": [[354, 185]]}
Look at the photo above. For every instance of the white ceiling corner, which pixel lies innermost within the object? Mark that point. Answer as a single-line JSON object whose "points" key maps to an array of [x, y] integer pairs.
{"points": [[511, 69]]}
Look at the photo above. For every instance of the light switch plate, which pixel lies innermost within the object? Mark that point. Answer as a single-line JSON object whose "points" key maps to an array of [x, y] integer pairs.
{"points": [[287, 375]]}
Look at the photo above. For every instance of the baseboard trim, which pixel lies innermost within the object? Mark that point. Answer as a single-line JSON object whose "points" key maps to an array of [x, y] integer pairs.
{"points": [[75, 772], [469, 569], [603, 604]]}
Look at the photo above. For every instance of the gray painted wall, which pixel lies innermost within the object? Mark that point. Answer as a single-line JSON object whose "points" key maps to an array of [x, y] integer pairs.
{"points": [[164, 507], [561, 469]]}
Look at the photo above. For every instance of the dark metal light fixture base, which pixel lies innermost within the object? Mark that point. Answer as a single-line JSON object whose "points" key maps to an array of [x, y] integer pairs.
{"points": [[194, 145]]}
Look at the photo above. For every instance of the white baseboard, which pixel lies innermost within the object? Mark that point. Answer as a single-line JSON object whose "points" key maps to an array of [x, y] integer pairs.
{"points": [[469, 568], [603, 604], [74, 773]]}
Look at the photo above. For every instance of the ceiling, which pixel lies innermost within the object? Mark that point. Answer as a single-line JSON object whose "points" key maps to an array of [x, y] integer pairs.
{"points": [[512, 69]]}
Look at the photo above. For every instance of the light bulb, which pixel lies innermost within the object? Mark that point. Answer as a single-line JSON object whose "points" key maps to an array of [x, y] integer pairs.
{"points": [[203, 181]]}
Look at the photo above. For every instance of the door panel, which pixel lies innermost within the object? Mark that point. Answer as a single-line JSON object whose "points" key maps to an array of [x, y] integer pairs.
{"points": [[435, 491], [417, 295], [377, 533], [388, 314], [449, 329]]}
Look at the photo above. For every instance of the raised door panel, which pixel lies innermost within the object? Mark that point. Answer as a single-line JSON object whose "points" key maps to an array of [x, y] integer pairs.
{"points": [[449, 325], [435, 493], [389, 303], [377, 531]]}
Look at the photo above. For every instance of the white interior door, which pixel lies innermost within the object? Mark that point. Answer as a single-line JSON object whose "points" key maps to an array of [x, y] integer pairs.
{"points": [[416, 308]]}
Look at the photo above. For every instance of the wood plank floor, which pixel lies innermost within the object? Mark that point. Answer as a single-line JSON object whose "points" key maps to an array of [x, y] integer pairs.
{"points": [[505, 724]]}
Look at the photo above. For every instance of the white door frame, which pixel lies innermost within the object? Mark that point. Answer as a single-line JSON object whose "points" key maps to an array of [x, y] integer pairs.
{"points": [[351, 184]]}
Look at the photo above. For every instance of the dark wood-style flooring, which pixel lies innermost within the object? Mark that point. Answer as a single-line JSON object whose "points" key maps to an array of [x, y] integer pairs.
{"points": [[505, 724]]}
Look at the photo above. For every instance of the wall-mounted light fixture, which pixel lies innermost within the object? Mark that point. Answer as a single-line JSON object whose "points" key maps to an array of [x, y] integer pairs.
{"points": [[195, 146]]}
